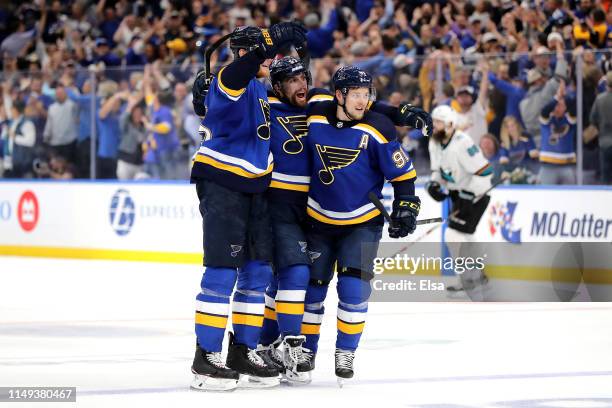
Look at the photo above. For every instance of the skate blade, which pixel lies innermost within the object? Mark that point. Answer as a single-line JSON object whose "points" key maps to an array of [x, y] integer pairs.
{"points": [[341, 381], [297, 379], [207, 383], [248, 381]]}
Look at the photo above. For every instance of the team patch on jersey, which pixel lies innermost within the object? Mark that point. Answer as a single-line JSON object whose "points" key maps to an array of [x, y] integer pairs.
{"points": [[448, 176], [334, 158], [472, 150], [296, 128]]}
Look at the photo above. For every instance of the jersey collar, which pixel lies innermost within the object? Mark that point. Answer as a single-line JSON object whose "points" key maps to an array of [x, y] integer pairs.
{"points": [[337, 123]]}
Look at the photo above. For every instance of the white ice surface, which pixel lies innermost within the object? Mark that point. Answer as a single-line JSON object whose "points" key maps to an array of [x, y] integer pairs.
{"points": [[122, 333]]}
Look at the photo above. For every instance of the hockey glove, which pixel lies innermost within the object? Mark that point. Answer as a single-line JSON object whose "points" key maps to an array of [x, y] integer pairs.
{"points": [[282, 35], [417, 118], [435, 191], [404, 215], [199, 91]]}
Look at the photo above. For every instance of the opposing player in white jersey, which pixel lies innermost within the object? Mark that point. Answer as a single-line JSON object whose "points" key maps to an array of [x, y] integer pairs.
{"points": [[459, 170]]}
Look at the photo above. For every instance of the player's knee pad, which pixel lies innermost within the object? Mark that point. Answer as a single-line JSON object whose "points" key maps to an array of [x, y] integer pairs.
{"points": [[294, 277], [255, 276], [353, 290], [356, 273], [219, 281]]}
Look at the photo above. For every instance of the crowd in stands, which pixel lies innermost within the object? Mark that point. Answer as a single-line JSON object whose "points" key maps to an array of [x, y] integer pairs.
{"points": [[530, 80]]}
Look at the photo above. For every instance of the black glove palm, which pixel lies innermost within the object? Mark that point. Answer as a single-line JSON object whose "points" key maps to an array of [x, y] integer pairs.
{"points": [[404, 216], [416, 118]]}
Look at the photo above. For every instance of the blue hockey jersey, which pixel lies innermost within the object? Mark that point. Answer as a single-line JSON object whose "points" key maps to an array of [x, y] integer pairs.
{"points": [[349, 160], [292, 166], [235, 147], [557, 145]]}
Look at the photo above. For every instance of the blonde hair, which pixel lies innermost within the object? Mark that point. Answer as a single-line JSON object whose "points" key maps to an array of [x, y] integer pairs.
{"points": [[504, 134]]}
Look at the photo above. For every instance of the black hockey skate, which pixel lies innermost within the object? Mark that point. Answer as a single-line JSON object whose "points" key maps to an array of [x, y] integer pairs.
{"points": [[271, 355], [344, 365], [211, 373], [296, 360], [254, 372]]}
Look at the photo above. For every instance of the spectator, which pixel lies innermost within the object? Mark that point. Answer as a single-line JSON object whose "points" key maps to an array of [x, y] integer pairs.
{"points": [[472, 113], [320, 39], [161, 157], [601, 119], [518, 147], [109, 130], [558, 151], [20, 140], [489, 145], [133, 135], [60, 132], [83, 146], [541, 90], [514, 92]]}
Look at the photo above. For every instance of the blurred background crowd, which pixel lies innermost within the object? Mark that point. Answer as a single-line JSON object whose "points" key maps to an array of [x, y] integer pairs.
{"points": [[102, 89]]}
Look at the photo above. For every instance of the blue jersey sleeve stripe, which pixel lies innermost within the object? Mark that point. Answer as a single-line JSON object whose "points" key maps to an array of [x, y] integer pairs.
{"points": [[233, 93], [372, 131], [410, 175]]}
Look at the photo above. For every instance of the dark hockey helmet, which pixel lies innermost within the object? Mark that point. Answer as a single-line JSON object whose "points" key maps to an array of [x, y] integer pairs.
{"points": [[246, 38], [351, 77], [287, 67]]}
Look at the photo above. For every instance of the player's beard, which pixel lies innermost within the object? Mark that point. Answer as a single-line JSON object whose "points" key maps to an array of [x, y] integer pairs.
{"points": [[439, 135], [299, 101]]}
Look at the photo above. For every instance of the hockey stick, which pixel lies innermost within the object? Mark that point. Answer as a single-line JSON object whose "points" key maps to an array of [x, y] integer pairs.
{"points": [[208, 53], [380, 206], [454, 213], [206, 71]]}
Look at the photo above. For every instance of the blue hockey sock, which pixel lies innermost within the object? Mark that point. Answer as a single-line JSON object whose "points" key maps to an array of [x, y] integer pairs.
{"points": [[249, 304], [270, 331], [212, 307], [292, 284], [313, 315], [353, 295]]}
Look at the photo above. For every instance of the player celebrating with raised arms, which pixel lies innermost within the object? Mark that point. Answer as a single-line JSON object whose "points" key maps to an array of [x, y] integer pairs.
{"points": [[232, 169], [353, 151]]}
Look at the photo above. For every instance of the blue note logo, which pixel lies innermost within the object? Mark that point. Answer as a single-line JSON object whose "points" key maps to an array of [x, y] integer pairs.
{"points": [[501, 218], [122, 212]]}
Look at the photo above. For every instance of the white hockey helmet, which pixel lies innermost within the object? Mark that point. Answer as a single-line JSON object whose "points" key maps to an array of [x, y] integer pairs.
{"points": [[445, 114]]}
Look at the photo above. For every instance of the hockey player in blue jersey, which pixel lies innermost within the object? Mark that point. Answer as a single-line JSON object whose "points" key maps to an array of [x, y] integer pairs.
{"points": [[288, 196], [231, 170], [353, 150]]}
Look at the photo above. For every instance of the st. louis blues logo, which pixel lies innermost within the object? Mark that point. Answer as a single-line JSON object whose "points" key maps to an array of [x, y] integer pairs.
{"points": [[501, 219], [235, 250], [297, 128], [334, 158], [313, 255], [263, 130]]}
